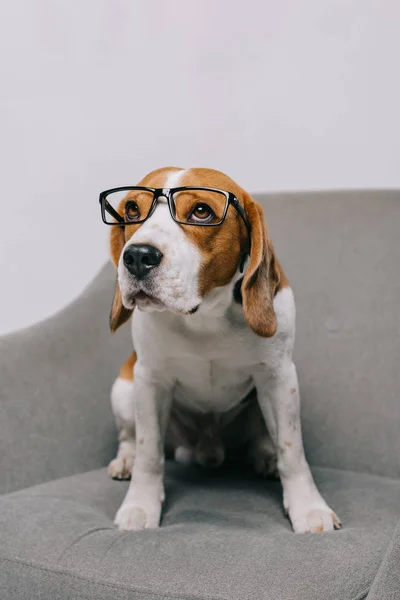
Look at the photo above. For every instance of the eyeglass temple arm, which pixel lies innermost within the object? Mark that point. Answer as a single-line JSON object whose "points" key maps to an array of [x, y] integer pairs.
{"points": [[242, 213], [112, 212]]}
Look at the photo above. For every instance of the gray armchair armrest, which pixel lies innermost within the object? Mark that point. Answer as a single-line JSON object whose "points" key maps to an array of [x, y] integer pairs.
{"points": [[55, 378]]}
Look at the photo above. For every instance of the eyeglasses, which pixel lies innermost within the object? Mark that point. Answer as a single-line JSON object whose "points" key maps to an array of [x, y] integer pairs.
{"points": [[188, 205]]}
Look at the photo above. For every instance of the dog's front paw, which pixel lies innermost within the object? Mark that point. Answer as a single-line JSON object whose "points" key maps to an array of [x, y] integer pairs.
{"points": [[314, 520], [141, 508], [305, 507], [131, 517]]}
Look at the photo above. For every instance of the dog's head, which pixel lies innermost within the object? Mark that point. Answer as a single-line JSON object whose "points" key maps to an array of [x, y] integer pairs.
{"points": [[164, 265]]}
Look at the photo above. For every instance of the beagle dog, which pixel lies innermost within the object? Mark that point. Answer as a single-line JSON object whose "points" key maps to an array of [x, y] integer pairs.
{"points": [[213, 331]]}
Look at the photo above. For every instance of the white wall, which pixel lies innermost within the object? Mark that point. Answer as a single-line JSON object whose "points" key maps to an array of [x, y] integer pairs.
{"points": [[281, 95]]}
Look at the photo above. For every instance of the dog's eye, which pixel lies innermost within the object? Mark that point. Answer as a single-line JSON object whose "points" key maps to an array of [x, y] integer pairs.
{"points": [[132, 212], [201, 213]]}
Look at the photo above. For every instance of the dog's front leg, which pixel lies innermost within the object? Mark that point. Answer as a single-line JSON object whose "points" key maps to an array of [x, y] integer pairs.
{"points": [[278, 395], [141, 508]]}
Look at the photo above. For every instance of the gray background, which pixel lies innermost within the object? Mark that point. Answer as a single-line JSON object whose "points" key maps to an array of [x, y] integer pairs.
{"points": [[281, 95]]}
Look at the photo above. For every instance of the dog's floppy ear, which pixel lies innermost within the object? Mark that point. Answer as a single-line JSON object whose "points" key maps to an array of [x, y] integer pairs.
{"points": [[262, 275], [119, 314]]}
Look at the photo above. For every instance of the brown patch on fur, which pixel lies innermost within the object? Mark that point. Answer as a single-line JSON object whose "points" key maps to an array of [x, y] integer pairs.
{"points": [[319, 529], [221, 247], [126, 371], [262, 277], [293, 391], [120, 235], [283, 283], [288, 444], [119, 314], [141, 441], [117, 241]]}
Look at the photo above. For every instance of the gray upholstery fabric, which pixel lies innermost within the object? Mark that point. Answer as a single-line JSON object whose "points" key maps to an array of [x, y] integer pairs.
{"points": [[341, 252], [55, 379], [387, 583], [224, 536]]}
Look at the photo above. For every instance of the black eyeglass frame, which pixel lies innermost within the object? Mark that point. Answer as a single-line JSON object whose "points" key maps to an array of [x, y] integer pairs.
{"points": [[168, 194]]}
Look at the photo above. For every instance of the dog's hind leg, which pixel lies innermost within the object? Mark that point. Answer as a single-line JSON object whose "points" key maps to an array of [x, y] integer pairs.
{"points": [[185, 456], [121, 466], [261, 452], [123, 406], [263, 457]]}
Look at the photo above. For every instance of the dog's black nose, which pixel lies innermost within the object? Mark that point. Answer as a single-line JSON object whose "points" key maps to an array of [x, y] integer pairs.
{"points": [[139, 259]]}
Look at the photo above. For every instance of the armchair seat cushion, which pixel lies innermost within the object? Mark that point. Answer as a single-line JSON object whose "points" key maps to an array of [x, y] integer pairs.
{"points": [[223, 537]]}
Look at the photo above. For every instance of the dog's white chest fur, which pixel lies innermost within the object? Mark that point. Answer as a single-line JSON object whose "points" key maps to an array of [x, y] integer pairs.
{"points": [[210, 385], [210, 356], [210, 367]]}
